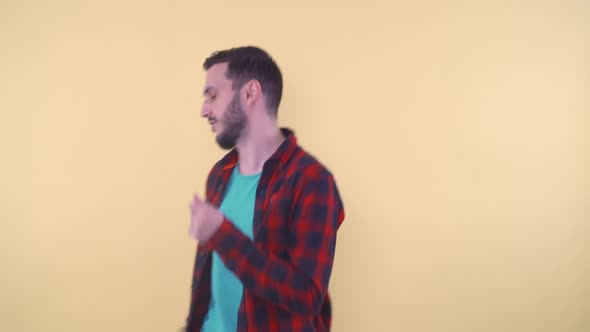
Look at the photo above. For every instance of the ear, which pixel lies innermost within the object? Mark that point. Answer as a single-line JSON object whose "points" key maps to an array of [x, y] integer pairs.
{"points": [[252, 92]]}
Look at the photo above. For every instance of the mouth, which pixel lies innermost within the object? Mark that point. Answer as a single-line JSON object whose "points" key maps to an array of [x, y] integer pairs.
{"points": [[212, 123]]}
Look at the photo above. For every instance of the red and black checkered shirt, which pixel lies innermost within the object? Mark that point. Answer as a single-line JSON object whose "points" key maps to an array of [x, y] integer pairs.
{"points": [[286, 268]]}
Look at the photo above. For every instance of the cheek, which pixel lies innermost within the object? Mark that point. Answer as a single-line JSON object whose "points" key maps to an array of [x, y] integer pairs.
{"points": [[219, 116]]}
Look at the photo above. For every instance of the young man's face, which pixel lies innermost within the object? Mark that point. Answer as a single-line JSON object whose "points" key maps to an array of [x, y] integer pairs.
{"points": [[222, 107]]}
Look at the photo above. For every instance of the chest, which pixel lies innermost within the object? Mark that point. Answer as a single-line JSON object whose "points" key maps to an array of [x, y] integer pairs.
{"points": [[272, 214]]}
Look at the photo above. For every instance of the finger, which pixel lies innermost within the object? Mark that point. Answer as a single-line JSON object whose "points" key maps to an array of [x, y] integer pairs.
{"points": [[197, 199], [195, 203]]}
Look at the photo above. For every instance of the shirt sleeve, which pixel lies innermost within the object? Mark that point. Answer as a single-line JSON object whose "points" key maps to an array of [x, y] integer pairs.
{"points": [[300, 283]]}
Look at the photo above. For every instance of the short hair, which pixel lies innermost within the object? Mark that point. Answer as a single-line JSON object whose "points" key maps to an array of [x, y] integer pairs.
{"points": [[247, 63]]}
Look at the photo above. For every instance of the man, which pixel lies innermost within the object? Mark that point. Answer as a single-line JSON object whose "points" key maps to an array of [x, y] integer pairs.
{"points": [[266, 230]]}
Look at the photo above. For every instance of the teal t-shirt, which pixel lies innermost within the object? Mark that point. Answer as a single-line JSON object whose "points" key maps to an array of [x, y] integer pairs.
{"points": [[226, 288]]}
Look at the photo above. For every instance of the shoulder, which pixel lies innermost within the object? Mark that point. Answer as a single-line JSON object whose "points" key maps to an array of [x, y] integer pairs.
{"points": [[308, 173], [314, 185], [305, 164]]}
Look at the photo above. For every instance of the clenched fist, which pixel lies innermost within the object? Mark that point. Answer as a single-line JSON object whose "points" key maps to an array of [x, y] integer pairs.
{"points": [[205, 219]]}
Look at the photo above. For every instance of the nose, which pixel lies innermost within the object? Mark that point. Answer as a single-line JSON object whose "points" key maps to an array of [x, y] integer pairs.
{"points": [[205, 111]]}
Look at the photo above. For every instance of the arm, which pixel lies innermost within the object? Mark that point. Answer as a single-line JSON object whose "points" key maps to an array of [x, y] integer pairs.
{"points": [[299, 284]]}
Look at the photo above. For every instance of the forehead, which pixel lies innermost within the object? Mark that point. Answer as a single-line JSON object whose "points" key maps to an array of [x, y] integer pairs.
{"points": [[216, 77]]}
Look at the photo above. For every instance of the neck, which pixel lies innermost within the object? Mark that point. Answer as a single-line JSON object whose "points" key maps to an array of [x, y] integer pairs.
{"points": [[256, 146]]}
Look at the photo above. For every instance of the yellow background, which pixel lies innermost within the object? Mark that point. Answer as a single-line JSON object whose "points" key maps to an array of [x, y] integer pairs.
{"points": [[458, 133]]}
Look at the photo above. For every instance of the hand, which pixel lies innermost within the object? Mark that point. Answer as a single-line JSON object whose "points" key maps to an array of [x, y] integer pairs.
{"points": [[205, 219]]}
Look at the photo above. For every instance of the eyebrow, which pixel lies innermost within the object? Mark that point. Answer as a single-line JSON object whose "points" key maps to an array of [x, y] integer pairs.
{"points": [[208, 90]]}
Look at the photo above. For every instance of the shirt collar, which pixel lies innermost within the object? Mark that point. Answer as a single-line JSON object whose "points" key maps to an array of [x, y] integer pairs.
{"points": [[281, 156]]}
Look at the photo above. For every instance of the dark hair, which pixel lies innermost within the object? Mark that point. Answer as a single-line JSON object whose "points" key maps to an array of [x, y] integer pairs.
{"points": [[251, 63]]}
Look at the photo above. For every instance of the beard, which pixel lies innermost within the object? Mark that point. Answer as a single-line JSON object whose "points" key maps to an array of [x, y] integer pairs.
{"points": [[233, 123]]}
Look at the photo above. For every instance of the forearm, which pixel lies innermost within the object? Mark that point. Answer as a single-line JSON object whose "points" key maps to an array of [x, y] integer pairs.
{"points": [[266, 275]]}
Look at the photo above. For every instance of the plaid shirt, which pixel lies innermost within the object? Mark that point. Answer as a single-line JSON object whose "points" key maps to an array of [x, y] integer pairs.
{"points": [[286, 269]]}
